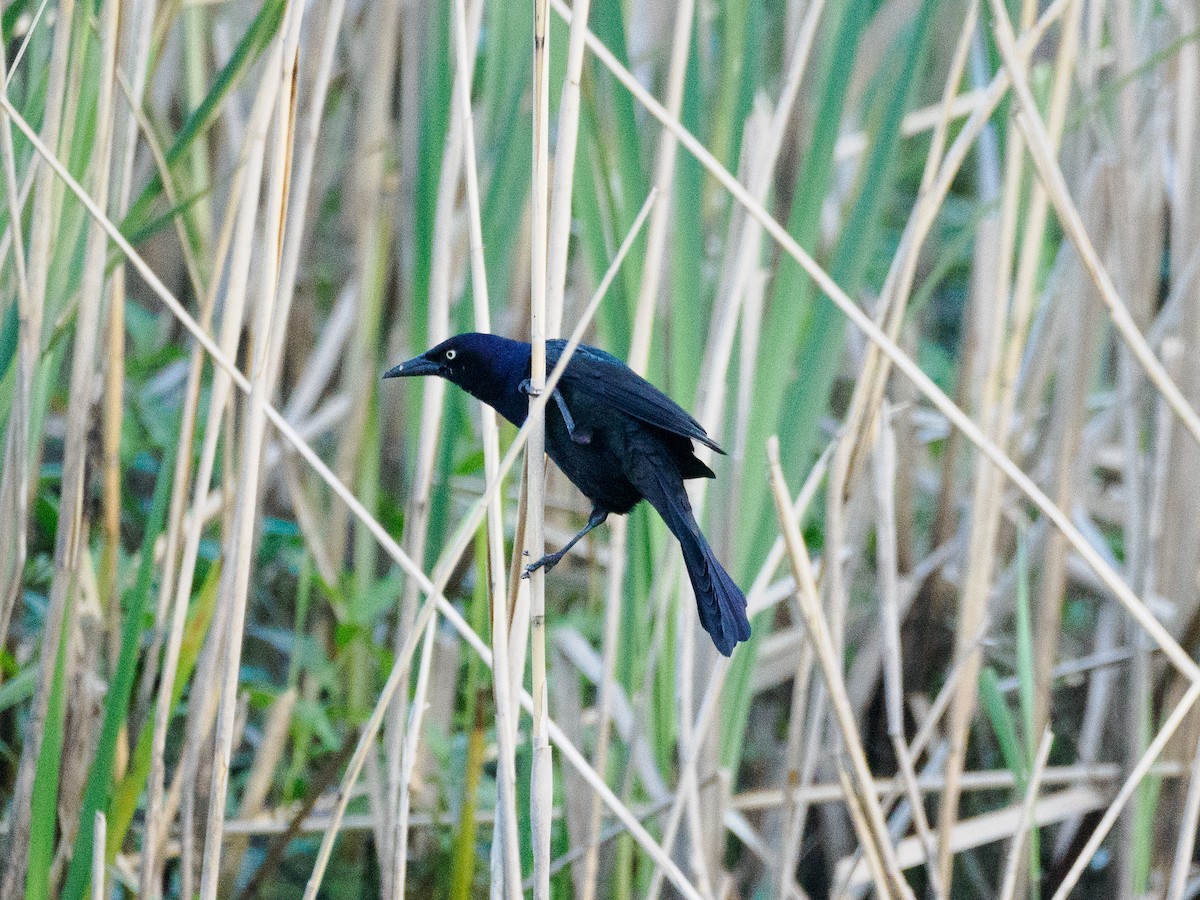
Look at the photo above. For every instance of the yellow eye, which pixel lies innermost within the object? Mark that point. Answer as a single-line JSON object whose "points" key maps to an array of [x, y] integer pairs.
{"points": [[450, 354]]}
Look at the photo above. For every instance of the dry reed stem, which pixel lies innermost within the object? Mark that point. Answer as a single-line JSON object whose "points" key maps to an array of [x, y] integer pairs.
{"points": [[401, 753], [888, 575], [1001, 321], [1016, 852], [324, 33], [276, 732], [201, 703], [69, 539], [818, 631], [862, 828], [235, 575], [930, 783], [688, 784], [938, 398], [149, 886], [506, 710], [564, 172], [541, 777], [664, 175]]}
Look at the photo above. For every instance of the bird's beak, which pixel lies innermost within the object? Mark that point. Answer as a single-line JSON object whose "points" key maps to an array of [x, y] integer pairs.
{"points": [[414, 368]]}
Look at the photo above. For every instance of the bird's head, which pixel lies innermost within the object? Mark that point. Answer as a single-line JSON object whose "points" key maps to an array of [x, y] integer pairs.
{"points": [[478, 363]]}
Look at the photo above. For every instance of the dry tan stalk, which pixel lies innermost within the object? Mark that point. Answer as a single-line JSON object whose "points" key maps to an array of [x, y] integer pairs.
{"points": [[664, 174], [929, 782], [818, 631], [618, 536], [887, 567], [866, 840], [1165, 732], [558, 246], [315, 89], [69, 537], [258, 783], [564, 172], [927, 118], [1016, 852], [688, 784], [400, 751], [249, 174], [542, 774], [1001, 318], [235, 575], [894, 298]]}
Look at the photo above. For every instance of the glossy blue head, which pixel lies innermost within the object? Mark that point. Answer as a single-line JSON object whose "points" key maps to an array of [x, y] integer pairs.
{"points": [[486, 366]]}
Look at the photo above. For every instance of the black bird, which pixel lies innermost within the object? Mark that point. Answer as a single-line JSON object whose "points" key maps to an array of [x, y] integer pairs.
{"points": [[617, 437]]}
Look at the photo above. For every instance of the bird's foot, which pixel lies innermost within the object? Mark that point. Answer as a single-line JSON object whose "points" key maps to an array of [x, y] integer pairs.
{"points": [[526, 387], [547, 562]]}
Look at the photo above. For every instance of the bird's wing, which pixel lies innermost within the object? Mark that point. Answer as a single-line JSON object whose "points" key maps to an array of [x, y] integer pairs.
{"points": [[601, 377]]}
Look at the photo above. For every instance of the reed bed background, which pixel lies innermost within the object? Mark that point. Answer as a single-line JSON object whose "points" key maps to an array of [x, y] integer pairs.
{"points": [[926, 268]]}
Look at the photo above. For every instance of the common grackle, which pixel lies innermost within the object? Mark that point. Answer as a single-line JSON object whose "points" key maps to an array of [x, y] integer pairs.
{"points": [[616, 436]]}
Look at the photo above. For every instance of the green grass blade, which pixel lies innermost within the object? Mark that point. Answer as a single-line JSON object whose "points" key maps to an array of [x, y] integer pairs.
{"points": [[45, 780]]}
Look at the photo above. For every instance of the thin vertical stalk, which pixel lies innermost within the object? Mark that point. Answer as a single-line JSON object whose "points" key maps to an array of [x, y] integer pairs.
{"points": [[564, 171], [664, 175], [541, 778], [875, 836], [506, 710], [235, 576]]}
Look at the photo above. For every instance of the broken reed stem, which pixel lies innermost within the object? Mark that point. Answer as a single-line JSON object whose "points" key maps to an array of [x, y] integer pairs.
{"points": [[541, 777], [818, 632]]}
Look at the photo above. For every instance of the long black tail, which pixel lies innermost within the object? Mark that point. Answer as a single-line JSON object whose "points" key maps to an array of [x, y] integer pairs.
{"points": [[720, 602]]}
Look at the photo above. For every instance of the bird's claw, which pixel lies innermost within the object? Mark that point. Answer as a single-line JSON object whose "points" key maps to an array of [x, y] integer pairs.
{"points": [[525, 387], [547, 562]]}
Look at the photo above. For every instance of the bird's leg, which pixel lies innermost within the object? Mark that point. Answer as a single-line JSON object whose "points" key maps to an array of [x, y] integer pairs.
{"points": [[578, 435], [550, 560]]}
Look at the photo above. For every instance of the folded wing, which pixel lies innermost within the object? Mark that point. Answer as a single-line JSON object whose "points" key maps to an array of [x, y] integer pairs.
{"points": [[594, 374]]}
